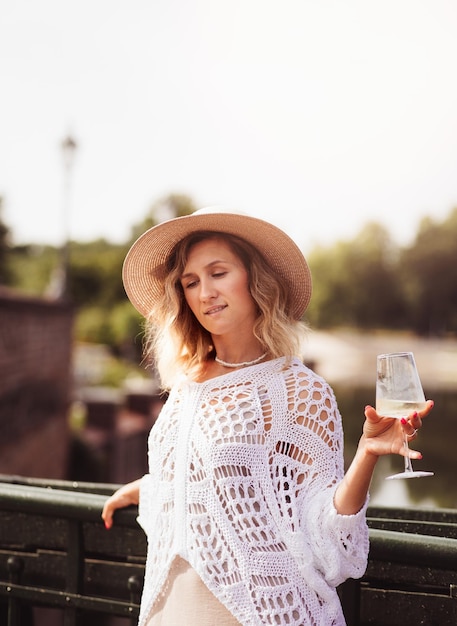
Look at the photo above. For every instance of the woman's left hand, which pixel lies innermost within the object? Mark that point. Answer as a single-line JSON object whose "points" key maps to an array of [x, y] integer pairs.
{"points": [[385, 435]]}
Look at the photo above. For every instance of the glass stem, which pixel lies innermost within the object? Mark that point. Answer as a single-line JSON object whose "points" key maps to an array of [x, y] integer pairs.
{"points": [[408, 464]]}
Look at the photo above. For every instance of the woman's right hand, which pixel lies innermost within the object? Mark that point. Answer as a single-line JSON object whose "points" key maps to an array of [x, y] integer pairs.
{"points": [[125, 496]]}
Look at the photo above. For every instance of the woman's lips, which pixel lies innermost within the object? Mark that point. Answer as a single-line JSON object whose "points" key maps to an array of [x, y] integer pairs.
{"points": [[215, 309]]}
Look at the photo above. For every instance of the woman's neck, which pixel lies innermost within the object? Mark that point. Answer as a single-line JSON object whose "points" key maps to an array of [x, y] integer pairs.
{"points": [[240, 352]]}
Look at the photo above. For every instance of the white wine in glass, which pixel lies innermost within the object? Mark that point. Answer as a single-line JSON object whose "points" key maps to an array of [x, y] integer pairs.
{"points": [[398, 394]]}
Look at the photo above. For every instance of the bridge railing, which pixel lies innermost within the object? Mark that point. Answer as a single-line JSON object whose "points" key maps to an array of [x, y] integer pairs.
{"points": [[57, 558], [56, 553]]}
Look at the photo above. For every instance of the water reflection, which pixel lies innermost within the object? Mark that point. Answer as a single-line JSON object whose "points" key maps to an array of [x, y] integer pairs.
{"points": [[397, 492], [436, 441]]}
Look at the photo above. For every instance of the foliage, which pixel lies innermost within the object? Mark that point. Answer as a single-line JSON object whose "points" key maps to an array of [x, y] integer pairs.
{"points": [[117, 371], [5, 268], [355, 283], [104, 314], [367, 283], [173, 205], [119, 327], [372, 283], [95, 274], [32, 268], [429, 269]]}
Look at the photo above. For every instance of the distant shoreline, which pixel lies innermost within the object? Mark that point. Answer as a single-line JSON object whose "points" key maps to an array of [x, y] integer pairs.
{"points": [[348, 357]]}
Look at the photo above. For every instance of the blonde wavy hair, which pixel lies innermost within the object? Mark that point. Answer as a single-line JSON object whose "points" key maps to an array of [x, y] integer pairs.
{"points": [[176, 343]]}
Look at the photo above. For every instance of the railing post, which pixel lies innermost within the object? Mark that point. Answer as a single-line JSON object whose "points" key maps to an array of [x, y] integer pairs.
{"points": [[15, 567], [74, 569], [349, 593], [134, 585]]}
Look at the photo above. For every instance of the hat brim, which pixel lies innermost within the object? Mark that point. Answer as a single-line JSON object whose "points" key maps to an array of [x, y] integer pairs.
{"points": [[151, 250]]}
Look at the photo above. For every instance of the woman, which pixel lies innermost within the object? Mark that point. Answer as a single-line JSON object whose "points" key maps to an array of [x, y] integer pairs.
{"points": [[249, 516]]}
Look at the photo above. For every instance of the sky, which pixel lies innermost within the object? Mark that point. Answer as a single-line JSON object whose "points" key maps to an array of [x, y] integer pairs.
{"points": [[317, 115]]}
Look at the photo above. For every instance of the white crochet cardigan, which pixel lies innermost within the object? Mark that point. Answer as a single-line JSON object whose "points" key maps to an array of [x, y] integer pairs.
{"points": [[243, 469]]}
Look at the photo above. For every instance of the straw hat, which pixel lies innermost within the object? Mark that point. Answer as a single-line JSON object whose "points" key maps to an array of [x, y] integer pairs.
{"points": [[145, 263]]}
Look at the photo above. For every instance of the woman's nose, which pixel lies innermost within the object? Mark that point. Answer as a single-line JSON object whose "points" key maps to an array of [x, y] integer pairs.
{"points": [[207, 290]]}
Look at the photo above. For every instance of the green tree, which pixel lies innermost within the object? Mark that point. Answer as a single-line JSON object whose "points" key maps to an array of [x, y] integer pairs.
{"points": [[367, 283], [103, 312], [328, 303], [168, 207], [95, 273], [356, 284], [5, 249], [429, 277], [377, 300]]}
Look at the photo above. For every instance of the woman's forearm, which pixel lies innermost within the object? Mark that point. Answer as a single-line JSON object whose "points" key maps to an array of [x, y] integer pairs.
{"points": [[352, 492], [125, 496]]}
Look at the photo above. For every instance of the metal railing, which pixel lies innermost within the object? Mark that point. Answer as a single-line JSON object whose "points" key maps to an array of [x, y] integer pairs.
{"points": [[55, 552], [411, 577]]}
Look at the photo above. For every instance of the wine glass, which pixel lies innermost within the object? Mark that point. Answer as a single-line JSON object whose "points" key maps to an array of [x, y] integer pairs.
{"points": [[398, 394]]}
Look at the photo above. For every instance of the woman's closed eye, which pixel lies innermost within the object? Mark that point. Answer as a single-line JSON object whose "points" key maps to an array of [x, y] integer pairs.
{"points": [[190, 283]]}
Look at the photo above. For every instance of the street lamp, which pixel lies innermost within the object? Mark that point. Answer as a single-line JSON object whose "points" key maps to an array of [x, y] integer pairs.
{"points": [[68, 152], [59, 283]]}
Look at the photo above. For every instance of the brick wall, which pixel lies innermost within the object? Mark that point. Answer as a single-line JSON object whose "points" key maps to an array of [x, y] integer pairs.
{"points": [[35, 385]]}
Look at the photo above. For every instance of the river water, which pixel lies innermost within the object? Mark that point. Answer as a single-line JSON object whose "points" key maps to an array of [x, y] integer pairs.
{"points": [[347, 360]]}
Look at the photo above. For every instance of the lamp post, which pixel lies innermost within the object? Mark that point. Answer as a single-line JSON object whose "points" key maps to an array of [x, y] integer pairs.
{"points": [[68, 147]]}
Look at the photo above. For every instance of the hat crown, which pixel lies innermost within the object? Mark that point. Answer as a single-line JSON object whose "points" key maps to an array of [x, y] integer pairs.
{"points": [[218, 209]]}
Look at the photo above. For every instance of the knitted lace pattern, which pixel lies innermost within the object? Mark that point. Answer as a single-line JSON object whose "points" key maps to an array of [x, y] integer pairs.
{"points": [[242, 474]]}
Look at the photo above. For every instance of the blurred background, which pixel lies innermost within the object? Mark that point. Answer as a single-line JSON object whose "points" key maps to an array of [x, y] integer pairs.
{"points": [[333, 120]]}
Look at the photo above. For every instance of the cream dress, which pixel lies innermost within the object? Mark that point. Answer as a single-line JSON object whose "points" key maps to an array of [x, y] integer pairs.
{"points": [[188, 602]]}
